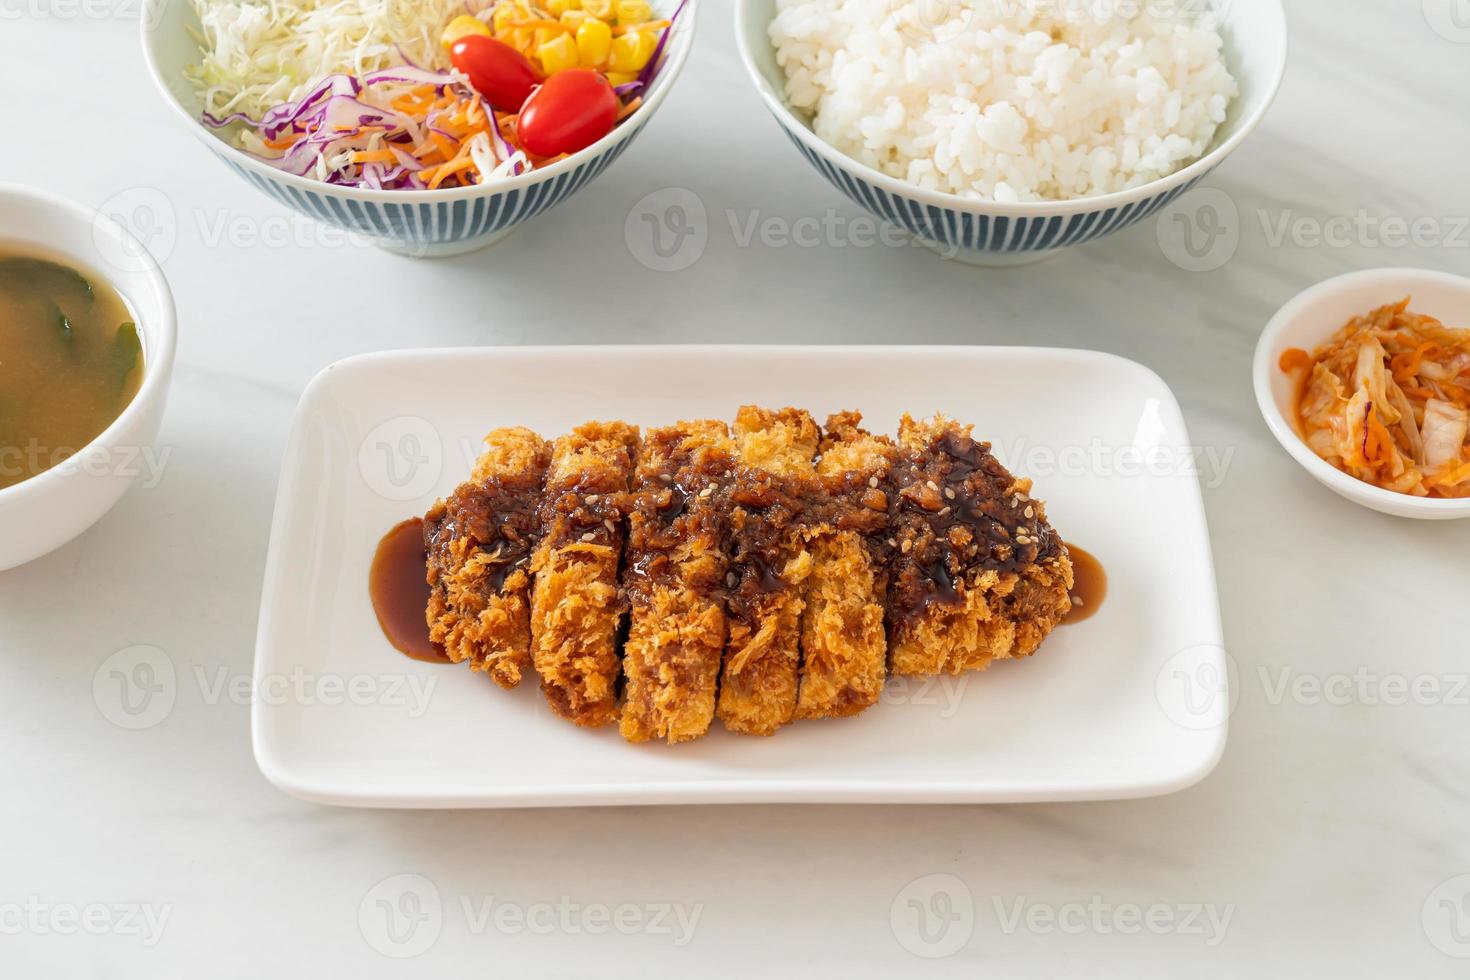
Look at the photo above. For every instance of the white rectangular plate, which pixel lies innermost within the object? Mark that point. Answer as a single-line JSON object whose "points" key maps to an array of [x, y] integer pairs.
{"points": [[1131, 702]]}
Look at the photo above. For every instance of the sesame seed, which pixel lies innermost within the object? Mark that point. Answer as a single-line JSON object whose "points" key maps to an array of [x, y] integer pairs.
{"points": [[706, 491], [588, 536], [730, 579], [1076, 600], [944, 512], [666, 478], [873, 482], [593, 498], [609, 525], [933, 486], [948, 493], [892, 543], [1030, 512]]}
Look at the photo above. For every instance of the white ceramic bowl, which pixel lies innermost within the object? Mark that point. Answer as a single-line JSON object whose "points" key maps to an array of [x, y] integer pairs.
{"points": [[422, 224], [1314, 316], [991, 233], [46, 511]]}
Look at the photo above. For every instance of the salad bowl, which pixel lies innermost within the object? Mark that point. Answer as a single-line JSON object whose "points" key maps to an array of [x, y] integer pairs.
{"points": [[417, 223], [985, 232]]}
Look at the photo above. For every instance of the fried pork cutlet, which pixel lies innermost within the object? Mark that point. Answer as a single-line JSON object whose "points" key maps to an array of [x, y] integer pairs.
{"points": [[575, 607], [479, 544], [769, 563], [843, 645], [674, 576], [979, 574]]}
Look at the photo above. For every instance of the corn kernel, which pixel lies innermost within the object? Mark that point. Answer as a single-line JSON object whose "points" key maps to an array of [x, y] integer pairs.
{"points": [[505, 15], [632, 11], [601, 9], [545, 35], [523, 39], [558, 54], [594, 40], [631, 51], [463, 26], [574, 18], [616, 78]]}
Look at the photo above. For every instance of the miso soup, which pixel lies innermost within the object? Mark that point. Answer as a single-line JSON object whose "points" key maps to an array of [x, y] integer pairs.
{"points": [[70, 361]]}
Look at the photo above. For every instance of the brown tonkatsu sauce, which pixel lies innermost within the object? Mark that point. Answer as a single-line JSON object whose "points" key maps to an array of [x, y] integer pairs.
{"points": [[1089, 584], [684, 502], [958, 520], [399, 588]]}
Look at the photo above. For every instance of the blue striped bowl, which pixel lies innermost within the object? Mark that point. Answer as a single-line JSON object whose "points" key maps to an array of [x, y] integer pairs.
{"points": [[424, 224], [991, 233]]}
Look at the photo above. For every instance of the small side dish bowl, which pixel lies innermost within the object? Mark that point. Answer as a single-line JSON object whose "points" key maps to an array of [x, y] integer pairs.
{"points": [[44, 512], [1308, 321], [417, 223], [996, 234]]}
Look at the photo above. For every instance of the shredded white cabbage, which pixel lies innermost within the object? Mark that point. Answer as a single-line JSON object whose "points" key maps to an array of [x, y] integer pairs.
{"points": [[257, 54]]}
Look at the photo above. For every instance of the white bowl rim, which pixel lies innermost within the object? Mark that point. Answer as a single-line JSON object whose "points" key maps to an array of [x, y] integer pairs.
{"points": [[1264, 363], [161, 335], [1020, 209], [676, 55]]}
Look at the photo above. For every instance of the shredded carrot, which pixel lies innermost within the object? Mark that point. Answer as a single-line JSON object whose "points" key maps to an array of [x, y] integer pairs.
{"points": [[630, 108], [449, 169], [1406, 365], [374, 156]]}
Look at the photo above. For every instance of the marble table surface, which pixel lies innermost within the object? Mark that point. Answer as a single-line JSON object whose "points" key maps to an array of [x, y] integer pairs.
{"points": [[1331, 836]]}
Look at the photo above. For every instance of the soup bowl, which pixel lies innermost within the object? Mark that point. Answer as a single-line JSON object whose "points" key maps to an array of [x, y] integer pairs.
{"points": [[418, 223], [44, 512], [985, 232]]}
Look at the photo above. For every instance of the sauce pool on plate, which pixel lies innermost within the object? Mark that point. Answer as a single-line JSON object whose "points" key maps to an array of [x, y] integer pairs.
{"points": [[399, 588], [70, 362], [1089, 585]]}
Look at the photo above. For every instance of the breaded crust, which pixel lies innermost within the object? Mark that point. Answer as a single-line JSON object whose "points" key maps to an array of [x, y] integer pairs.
{"points": [[575, 605], [980, 575], [478, 544], [673, 577], [844, 647], [769, 564]]}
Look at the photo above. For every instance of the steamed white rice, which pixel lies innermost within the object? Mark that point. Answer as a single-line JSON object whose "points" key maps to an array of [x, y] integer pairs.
{"points": [[1008, 100]]}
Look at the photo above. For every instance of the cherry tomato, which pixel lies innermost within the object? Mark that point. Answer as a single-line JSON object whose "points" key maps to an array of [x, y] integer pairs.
{"points": [[572, 110], [498, 71]]}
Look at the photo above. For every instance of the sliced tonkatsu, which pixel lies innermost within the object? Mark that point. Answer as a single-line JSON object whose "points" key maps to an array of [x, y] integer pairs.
{"points": [[674, 579], [768, 565], [478, 544], [978, 575], [575, 604], [843, 645]]}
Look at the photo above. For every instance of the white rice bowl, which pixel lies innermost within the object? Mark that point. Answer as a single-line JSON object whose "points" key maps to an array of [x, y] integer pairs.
{"points": [[1008, 100]]}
